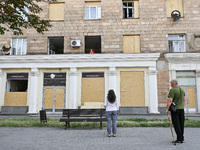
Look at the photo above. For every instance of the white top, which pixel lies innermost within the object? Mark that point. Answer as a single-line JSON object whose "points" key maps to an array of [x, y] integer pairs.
{"points": [[111, 107]]}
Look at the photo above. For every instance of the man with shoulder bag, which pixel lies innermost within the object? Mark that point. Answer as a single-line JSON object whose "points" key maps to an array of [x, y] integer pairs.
{"points": [[177, 99]]}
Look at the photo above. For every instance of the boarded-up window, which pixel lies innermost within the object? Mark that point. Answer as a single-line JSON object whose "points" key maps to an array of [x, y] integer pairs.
{"points": [[131, 44], [130, 9], [132, 89], [174, 5], [56, 11], [93, 87]]}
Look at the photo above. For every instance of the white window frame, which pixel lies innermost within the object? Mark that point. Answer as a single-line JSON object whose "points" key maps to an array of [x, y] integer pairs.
{"points": [[89, 16], [127, 9], [176, 43], [20, 46]]}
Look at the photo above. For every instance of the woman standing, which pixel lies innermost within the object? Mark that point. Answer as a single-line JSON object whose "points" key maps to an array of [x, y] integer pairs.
{"points": [[112, 110]]}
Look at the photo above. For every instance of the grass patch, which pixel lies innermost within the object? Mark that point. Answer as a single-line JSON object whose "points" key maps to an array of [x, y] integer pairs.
{"points": [[129, 122]]}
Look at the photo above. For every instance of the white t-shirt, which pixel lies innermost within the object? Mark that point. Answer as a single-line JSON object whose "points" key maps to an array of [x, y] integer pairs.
{"points": [[111, 107]]}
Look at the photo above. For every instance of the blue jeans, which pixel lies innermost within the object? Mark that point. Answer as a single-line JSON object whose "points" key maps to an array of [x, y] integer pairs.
{"points": [[111, 115]]}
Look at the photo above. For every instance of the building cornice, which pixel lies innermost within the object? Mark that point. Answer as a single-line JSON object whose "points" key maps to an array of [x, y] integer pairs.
{"points": [[182, 57], [70, 60]]}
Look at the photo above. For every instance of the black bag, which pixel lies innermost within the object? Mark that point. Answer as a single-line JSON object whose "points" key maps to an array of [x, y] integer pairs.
{"points": [[172, 107]]}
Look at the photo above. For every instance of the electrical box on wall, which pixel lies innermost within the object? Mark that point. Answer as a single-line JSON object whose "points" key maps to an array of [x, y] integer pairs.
{"points": [[75, 43]]}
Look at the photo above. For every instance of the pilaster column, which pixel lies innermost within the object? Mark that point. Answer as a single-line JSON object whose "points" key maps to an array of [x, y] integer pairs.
{"points": [[198, 89], [153, 91], [112, 75], [73, 75], [33, 91], [1, 88]]}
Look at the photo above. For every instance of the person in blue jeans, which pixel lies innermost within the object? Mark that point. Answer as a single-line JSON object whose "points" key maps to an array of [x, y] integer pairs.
{"points": [[112, 110]]}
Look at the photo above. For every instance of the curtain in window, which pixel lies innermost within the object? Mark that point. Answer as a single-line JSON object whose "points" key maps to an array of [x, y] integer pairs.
{"points": [[19, 46]]}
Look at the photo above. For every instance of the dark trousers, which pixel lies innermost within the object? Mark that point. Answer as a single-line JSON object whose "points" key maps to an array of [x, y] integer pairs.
{"points": [[178, 119]]}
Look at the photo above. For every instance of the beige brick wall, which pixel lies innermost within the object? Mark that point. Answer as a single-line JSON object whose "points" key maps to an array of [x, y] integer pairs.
{"points": [[153, 26]]}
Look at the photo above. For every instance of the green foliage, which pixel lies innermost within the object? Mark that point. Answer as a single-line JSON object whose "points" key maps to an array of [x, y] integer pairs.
{"points": [[14, 16]]}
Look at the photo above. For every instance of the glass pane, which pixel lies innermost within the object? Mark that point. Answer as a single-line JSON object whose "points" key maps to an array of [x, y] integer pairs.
{"points": [[124, 4], [175, 46], [86, 13], [124, 13], [130, 3], [24, 47], [181, 37], [181, 47], [99, 12], [186, 81], [187, 74], [130, 15], [14, 45], [92, 12]]}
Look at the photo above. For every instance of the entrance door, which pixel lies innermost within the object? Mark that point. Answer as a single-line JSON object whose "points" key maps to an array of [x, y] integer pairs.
{"points": [[54, 98], [54, 92], [186, 80]]}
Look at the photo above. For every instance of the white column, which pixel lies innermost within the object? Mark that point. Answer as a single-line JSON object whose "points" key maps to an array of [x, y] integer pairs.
{"points": [[153, 93], [33, 91], [198, 89], [73, 75], [112, 75], [1, 88]]}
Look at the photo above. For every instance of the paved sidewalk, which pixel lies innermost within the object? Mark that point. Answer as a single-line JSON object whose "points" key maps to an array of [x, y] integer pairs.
{"points": [[34, 138]]}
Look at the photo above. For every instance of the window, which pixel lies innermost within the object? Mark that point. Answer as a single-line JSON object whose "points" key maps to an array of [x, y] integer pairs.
{"points": [[130, 9], [56, 45], [176, 43], [174, 5], [19, 46], [56, 11], [131, 44], [22, 13], [94, 43], [92, 10]]}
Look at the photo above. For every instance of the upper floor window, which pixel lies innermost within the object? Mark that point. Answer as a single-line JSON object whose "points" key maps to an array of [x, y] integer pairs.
{"points": [[19, 46], [23, 13], [131, 44], [56, 45], [172, 5], [176, 43], [130, 9], [56, 11], [92, 10]]}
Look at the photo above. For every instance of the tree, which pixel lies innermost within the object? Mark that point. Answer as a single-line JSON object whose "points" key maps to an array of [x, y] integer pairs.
{"points": [[16, 15]]}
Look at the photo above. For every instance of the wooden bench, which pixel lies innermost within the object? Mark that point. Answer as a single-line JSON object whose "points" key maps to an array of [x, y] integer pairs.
{"points": [[83, 115]]}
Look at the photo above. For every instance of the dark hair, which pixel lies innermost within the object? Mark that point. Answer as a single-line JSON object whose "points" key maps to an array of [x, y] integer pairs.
{"points": [[111, 96]]}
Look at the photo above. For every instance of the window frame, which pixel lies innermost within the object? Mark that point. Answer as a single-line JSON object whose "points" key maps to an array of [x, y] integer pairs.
{"points": [[179, 41], [97, 9], [23, 49], [127, 9]]}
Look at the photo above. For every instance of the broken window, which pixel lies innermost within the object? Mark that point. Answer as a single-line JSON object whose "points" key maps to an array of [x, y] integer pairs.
{"points": [[176, 43], [56, 45], [130, 9], [93, 43], [17, 82]]}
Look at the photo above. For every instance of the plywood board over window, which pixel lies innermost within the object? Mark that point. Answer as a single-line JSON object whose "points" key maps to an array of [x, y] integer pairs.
{"points": [[174, 5], [92, 3], [132, 89], [131, 44], [56, 11], [15, 99]]}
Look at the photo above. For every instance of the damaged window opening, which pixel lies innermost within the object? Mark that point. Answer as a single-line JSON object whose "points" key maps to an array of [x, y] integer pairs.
{"points": [[56, 45], [93, 43], [17, 85]]}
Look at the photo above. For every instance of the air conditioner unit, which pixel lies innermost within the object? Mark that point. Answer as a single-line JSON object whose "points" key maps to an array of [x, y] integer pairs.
{"points": [[75, 43]]}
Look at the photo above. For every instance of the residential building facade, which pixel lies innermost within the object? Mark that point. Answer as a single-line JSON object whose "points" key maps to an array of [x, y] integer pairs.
{"points": [[134, 47]]}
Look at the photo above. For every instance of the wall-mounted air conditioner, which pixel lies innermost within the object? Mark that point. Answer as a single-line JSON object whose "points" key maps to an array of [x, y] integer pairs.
{"points": [[75, 43]]}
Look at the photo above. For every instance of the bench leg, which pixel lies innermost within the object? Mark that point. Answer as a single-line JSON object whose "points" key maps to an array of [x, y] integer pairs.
{"points": [[65, 125], [100, 124]]}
